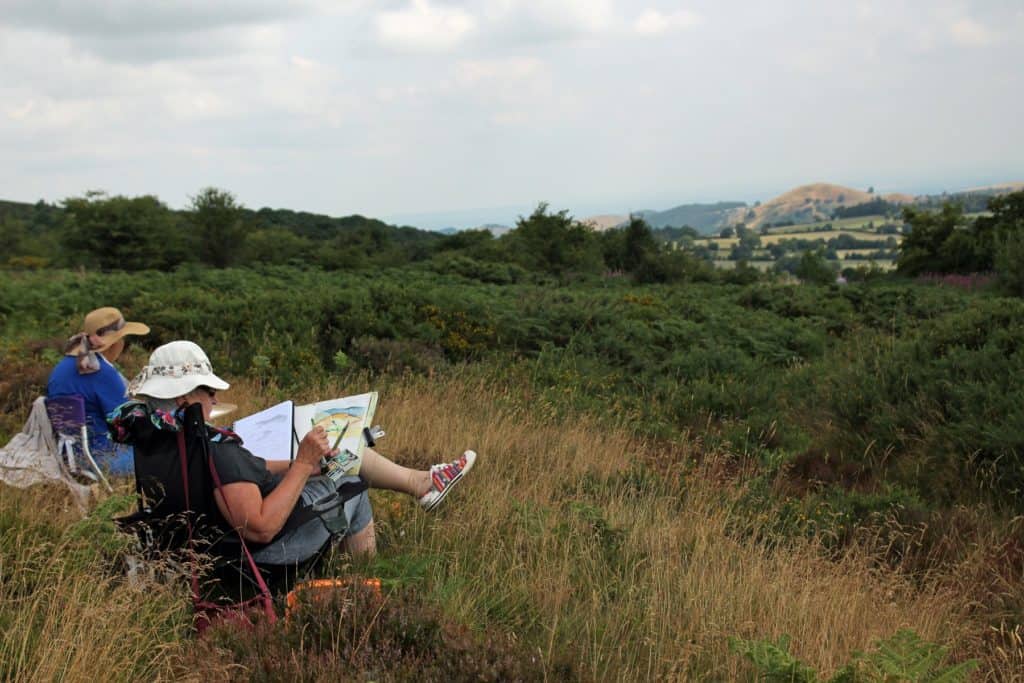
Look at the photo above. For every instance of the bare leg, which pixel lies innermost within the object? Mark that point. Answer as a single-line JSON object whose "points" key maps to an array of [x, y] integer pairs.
{"points": [[363, 543], [381, 473]]}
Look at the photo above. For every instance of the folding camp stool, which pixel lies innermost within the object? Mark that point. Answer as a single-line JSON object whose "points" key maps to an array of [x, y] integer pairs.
{"points": [[67, 416]]}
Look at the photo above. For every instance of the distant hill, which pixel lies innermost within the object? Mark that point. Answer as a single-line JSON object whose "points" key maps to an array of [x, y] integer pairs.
{"points": [[494, 229], [604, 222], [972, 200], [810, 203], [999, 188], [705, 218]]}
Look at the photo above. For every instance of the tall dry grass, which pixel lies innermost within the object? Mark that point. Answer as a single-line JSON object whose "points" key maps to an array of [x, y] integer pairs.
{"points": [[67, 611], [558, 537]]}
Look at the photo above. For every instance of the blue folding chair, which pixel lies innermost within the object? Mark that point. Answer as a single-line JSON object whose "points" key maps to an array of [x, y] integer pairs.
{"points": [[67, 416]]}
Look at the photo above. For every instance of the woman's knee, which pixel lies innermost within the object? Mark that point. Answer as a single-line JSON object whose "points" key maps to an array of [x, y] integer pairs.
{"points": [[363, 542]]}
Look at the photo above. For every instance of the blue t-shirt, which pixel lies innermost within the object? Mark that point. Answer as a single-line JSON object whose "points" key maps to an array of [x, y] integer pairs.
{"points": [[102, 390]]}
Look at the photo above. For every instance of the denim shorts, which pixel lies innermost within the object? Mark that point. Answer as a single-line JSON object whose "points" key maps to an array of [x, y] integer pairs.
{"points": [[301, 543]]}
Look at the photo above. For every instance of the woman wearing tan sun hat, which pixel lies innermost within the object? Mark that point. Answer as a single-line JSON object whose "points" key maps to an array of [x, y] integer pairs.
{"points": [[87, 370]]}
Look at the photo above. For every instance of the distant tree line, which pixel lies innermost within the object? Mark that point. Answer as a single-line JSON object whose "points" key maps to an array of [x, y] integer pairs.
{"points": [[137, 233], [104, 232], [875, 207]]}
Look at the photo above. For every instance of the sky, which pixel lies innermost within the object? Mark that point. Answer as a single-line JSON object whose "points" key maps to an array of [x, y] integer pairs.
{"points": [[437, 113]]}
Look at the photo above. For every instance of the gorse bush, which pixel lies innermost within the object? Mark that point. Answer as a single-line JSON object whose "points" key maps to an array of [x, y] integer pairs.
{"points": [[897, 379]]}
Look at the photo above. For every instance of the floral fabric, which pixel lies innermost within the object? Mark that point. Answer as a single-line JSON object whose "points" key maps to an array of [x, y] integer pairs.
{"points": [[126, 420], [177, 371]]}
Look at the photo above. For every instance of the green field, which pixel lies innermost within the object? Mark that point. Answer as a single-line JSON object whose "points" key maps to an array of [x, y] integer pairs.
{"points": [[857, 223], [853, 227]]}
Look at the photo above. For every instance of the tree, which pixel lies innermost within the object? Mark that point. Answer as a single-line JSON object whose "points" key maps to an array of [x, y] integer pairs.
{"points": [[465, 239], [727, 232], [751, 240], [553, 243], [1009, 261], [217, 219], [13, 235], [1004, 231], [741, 251], [928, 247], [777, 250], [639, 246], [126, 233], [275, 246], [814, 268]]}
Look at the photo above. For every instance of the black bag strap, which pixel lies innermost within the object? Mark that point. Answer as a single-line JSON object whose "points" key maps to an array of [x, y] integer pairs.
{"points": [[204, 445]]}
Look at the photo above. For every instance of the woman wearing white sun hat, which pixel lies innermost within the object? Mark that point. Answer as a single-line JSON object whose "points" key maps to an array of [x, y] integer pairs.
{"points": [[259, 496]]}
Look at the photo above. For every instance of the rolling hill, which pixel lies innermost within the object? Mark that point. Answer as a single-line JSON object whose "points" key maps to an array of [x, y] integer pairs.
{"points": [[810, 203], [704, 217]]}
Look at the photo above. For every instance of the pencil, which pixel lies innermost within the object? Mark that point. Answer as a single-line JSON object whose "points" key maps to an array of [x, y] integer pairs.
{"points": [[341, 434]]}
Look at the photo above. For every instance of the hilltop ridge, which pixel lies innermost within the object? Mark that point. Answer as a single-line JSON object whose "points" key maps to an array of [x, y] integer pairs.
{"points": [[810, 203], [803, 204]]}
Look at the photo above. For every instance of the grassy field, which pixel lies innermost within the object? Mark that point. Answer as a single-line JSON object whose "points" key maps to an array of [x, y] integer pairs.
{"points": [[880, 264], [859, 228], [663, 468], [725, 264], [726, 243], [845, 253], [558, 543], [857, 223]]}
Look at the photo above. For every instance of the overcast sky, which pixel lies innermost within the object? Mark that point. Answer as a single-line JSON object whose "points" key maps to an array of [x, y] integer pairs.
{"points": [[426, 111]]}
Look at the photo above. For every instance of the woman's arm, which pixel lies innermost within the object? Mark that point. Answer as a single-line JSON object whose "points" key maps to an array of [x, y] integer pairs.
{"points": [[259, 518], [278, 466]]}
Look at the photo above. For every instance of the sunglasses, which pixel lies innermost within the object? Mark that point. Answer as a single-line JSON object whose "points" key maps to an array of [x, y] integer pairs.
{"points": [[208, 391]]}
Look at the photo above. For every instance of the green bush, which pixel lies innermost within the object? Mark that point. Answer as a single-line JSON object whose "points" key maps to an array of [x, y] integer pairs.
{"points": [[902, 657]]}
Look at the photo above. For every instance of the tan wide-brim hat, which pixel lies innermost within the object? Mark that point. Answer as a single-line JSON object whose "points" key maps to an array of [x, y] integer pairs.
{"points": [[174, 370], [109, 325]]}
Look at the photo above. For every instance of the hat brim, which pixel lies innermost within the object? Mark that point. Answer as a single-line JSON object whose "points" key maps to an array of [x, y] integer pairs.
{"points": [[173, 387], [112, 338]]}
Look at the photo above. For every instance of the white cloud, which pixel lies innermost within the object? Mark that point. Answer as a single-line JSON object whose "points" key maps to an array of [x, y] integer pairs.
{"points": [[512, 69], [970, 33], [164, 97], [114, 19], [146, 31], [511, 118], [653, 22], [525, 22], [424, 27], [303, 63]]}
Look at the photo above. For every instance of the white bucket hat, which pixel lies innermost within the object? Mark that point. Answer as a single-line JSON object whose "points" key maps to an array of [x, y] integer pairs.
{"points": [[174, 370]]}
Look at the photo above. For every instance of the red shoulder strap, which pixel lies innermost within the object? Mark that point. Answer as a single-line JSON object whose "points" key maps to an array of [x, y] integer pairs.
{"points": [[267, 599]]}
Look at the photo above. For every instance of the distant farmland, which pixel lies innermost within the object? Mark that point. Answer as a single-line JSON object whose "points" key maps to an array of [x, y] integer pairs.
{"points": [[865, 228]]}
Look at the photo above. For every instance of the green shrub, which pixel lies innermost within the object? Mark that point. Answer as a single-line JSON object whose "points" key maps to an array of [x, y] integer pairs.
{"points": [[902, 657]]}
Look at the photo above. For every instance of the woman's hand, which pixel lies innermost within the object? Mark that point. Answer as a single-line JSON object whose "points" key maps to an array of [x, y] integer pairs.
{"points": [[313, 447], [262, 518]]}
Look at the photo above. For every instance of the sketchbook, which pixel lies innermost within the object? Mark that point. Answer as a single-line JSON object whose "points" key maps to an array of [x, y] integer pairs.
{"points": [[275, 433]]}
